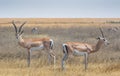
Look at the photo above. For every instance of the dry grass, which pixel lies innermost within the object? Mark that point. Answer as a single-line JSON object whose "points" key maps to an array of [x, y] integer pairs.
{"points": [[105, 62], [38, 68]]}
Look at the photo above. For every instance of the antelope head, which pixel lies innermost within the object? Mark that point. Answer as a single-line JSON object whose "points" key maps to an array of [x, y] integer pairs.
{"points": [[18, 32], [102, 38]]}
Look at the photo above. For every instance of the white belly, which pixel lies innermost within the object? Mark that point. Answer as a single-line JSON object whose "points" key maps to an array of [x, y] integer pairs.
{"points": [[78, 53], [37, 48]]}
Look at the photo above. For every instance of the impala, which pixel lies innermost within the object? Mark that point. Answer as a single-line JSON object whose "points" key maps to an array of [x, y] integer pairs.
{"points": [[32, 44], [78, 49]]}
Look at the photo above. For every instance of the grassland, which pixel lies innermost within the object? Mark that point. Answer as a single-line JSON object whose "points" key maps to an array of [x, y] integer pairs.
{"points": [[105, 62]]}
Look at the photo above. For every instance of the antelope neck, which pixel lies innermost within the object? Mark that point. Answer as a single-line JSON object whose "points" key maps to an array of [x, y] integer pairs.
{"points": [[98, 45]]}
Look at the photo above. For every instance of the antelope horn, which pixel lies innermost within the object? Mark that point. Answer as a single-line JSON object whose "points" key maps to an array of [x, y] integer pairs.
{"points": [[21, 26], [14, 26], [102, 32]]}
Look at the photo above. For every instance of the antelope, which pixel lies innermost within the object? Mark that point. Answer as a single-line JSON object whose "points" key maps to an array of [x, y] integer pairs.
{"points": [[32, 44], [35, 30], [82, 49], [113, 29]]}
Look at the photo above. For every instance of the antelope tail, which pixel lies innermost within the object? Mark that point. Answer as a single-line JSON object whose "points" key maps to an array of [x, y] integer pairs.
{"points": [[51, 44], [65, 48]]}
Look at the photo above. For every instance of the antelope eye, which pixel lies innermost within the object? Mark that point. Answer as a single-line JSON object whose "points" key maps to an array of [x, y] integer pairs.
{"points": [[98, 38]]}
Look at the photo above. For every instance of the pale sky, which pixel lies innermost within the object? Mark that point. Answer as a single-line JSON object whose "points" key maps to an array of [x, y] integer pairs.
{"points": [[60, 8]]}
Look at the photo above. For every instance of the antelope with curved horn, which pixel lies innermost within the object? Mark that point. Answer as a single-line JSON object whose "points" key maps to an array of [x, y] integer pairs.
{"points": [[78, 49], [32, 44]]}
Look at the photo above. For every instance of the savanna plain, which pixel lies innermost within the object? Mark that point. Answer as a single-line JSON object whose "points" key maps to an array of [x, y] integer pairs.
{"points": [[105, 62]]}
